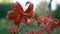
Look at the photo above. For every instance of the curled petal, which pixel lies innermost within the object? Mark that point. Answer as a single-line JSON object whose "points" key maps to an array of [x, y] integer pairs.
{"points": [[27, 3], [29, 10]]}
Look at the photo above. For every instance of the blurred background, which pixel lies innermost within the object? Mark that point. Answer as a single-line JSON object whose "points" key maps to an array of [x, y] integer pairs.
{"points": [[40, 7]]}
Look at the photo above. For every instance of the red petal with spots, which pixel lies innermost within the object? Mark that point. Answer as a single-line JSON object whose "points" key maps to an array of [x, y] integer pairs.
{"points": [[29, 10], [17, 8]]}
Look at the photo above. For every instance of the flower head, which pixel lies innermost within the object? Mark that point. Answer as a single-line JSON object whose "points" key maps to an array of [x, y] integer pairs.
{"points": [[19, 15], [12, 29], [47, 23]]}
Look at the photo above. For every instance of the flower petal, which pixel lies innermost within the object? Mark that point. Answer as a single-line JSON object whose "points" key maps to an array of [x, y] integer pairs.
{"points": [[17, 8], [29, 11]]}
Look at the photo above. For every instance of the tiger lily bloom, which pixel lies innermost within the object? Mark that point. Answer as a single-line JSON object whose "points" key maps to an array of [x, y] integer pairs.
{"points": [[19, 15]]}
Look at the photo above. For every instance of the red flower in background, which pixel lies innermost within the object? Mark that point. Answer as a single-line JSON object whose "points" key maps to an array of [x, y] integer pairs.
{"points": [[12, 29], [19, 15], [47, 23], [34, 32]]}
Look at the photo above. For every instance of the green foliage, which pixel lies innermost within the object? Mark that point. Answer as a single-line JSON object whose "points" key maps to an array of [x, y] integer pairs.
{"points": [[56, 13], [3, 9], [4, 24]]}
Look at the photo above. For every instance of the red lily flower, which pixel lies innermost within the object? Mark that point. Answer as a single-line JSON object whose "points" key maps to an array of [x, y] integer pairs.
{"points": [[12, 29], [19, 15], [47, 23]]}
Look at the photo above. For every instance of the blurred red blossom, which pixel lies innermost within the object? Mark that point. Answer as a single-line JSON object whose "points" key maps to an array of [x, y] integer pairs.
{"points": [[47, 23], [19, 15], [12, 29]]}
